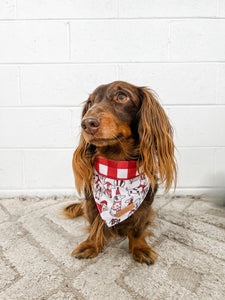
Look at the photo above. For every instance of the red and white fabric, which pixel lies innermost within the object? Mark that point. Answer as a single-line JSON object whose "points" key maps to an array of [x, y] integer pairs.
{"points": [[119, 189]]}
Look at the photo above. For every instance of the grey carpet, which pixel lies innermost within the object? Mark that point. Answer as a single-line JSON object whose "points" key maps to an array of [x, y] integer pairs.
{"points": [[36, 242]]}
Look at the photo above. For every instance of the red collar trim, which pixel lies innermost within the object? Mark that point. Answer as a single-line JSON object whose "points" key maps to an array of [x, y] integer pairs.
{"points": [[120, 170]]}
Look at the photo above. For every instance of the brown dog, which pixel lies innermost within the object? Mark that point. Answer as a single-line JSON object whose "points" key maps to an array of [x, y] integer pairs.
{"points": [[125, 131]]}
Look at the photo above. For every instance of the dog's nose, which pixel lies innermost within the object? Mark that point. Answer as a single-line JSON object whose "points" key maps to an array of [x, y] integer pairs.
{"points": [[90, 124]]}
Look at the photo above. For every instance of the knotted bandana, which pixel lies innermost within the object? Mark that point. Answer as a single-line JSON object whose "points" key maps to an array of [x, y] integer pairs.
{"points": [[119, 189]]}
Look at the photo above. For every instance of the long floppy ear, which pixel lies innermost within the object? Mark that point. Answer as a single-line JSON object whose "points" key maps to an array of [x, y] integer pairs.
{"points": [[156, 141], [82, 167], [82, 162]]}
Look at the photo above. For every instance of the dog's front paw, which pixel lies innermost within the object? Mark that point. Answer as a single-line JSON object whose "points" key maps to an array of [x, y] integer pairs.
{"points": [[144, 255], [87, 249]]}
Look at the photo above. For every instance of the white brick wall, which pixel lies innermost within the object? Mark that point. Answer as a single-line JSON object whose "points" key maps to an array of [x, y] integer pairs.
{"points": [[53, 53]]}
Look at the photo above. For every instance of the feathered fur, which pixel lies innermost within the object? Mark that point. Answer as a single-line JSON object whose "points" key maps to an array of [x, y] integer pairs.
{"points": [[133, 127]]}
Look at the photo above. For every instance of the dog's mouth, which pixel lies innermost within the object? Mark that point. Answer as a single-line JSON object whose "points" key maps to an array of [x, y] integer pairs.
{"points": [[98, 141]]}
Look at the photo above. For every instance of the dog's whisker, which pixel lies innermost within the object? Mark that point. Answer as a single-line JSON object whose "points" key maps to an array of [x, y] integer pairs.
{"points": [[117, 138]]}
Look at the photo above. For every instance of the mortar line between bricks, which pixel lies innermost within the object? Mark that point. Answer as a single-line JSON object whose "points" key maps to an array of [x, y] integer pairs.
{"points": [[217, 83], [117, 9], [217, 8], [217, 105], [113, 62], [169, 41], [214, 166], [68, 33], [73, 148], [19, 83], [117, 71], [115, 19], [23, 173], [15, 8], [191, 247], [52, 259]]}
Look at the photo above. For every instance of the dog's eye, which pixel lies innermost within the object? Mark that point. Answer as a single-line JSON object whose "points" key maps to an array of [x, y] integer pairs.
{"points": [[122, 97], [89, 104]]}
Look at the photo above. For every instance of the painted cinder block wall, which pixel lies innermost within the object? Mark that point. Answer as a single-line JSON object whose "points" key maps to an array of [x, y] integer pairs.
{"points": [[54, 53]]}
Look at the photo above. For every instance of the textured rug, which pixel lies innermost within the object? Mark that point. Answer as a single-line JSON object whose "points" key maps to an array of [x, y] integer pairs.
{"points": [[36, 242]]}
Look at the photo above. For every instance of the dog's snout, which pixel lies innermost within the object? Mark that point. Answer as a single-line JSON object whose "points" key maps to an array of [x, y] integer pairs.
{"points": [[90, 124]]}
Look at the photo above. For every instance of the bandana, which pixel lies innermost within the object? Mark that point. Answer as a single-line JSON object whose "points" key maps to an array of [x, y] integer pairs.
{"points": [[119, 189]]}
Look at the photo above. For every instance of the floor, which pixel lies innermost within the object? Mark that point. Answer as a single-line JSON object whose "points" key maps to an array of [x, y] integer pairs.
{"points": [[36, 242]]}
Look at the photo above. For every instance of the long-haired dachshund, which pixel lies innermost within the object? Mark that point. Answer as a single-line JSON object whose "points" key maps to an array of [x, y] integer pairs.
{"points": [[126, 147]]}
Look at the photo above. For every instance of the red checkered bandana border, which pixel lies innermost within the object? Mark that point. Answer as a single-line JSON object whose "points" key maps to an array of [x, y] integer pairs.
{"points": [[120, 170]]}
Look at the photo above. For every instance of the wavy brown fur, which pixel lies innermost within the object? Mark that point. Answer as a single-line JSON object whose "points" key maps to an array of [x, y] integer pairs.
{"points": [[82, 167], [73, 210], [134, 129], [156, 143]]}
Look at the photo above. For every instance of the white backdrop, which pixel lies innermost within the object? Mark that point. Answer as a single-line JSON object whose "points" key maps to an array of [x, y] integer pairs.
{"points": [[53, 53]]}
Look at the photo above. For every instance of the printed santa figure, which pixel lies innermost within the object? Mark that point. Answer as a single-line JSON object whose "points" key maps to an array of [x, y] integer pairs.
{"points": [[104, 205], [108, 188], [98, 189], [117, 202], [134, 186], [143, 184]]}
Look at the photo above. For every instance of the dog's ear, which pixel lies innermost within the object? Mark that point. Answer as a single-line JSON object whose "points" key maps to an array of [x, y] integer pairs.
{"points": [[82, 161], [82, 167], [156, 141]]}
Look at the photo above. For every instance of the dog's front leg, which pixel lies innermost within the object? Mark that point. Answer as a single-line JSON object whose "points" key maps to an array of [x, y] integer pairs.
{"points": [[140, 250], [94, 243], [87, 249]]}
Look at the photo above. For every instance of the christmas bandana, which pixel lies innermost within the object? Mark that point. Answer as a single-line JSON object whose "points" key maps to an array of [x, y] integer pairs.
{"points": [[118, 189]]}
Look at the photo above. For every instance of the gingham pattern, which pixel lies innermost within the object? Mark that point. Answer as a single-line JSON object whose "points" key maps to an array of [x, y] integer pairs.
{"points": [[120, 170]]}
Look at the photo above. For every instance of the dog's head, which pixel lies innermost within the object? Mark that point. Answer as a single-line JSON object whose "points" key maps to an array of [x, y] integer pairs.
{"points": [[111, 114], [120, 111]]}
